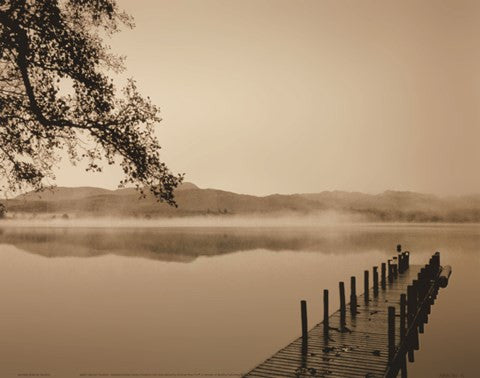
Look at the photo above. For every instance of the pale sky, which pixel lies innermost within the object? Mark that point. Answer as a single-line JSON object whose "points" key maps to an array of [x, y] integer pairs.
{"points": [[294, 96]]}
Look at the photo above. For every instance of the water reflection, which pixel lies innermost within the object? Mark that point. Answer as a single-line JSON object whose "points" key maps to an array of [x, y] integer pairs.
{"points": [[186, 244], [117, 313]]}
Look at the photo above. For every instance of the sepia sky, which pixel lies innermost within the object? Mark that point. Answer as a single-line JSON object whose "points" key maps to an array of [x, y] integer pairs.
{"points": [[293, 96]]}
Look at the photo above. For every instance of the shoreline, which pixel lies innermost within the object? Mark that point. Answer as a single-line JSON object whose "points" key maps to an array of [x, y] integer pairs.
{"points": [[219, 222]]}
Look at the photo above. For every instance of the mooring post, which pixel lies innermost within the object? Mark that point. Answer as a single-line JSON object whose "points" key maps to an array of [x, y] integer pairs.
{"points": [[399, 260], [390, 271], [403, 367], [424, 303], [420, 295], [365, 286], [425, 300], [325, 312], [383, 279], [407, 260], [435, 268], [436, 272], [303, 311], [343, 322], [353, 296], [304, 352], [437, 262], [430, 269], [391, 334], [415, 310], [395, 267], [410, 318], [403, 318], [304, 349], [375, 281], [432, 276]]}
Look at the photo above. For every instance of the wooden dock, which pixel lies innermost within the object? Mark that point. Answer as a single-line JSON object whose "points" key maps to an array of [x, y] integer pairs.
{"points": [[373, 334]]}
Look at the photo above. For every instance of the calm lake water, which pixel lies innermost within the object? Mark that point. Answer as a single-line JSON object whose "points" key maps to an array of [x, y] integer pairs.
{"points": [[209, 300]]}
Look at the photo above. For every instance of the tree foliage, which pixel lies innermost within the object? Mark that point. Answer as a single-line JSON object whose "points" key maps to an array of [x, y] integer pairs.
{"points": [[45, 44], [3, 211]]}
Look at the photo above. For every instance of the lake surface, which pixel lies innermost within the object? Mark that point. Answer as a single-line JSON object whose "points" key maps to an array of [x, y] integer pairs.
{"points": [[164, 301]]}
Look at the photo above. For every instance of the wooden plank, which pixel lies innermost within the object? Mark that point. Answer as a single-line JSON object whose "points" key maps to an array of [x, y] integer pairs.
{"points": [[360, 348]]}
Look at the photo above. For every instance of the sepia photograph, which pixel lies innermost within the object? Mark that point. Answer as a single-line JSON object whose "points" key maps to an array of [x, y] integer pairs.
{"points": [[240, 188]]}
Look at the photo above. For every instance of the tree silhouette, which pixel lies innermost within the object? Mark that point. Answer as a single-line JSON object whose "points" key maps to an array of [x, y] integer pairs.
{"points": [[45, 45]]}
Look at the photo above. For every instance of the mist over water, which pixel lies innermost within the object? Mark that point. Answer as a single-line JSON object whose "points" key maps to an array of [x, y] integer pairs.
{"points": [[279, 219], [208, 299]]}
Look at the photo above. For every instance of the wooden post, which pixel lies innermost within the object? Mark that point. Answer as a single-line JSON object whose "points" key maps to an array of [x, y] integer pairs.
{"points": [[421, 295], [353, 296], [304, 348], [437, 262], [375, 281], [391, 334], [390, 271], [399, 259], [407, 260], [325, 312], [342, 306], [415, 309], [403, 366], [394, 266], [426, 281], [410, 317], [365, 286], [304, 352], [403, 314], [430, 269], [403, 318], [384, 280], [303, 310], [426, 299]]}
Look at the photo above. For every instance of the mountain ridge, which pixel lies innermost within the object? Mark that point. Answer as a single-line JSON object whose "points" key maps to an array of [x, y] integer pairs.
{"points": [[389, 206]]}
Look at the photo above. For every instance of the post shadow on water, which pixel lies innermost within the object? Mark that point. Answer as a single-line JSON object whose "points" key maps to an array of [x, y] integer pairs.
{"points": [[334, 357]]}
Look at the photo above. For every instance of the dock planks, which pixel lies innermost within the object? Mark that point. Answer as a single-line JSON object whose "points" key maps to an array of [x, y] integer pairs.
{"points": [[361, 350]]}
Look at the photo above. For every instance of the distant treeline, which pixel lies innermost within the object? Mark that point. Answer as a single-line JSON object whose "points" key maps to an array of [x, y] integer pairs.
{"points": [[412, 216]]}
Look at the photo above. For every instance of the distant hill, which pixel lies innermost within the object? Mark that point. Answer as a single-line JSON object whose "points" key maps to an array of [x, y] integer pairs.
{"points": [[63, 193], [389, 206]]}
